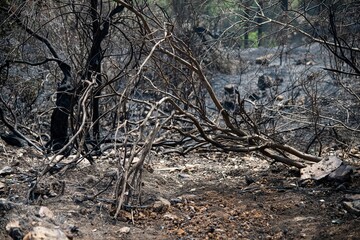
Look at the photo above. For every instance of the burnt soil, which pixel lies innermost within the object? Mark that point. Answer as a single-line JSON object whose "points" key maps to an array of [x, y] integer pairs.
{"points": [[203, 196]]}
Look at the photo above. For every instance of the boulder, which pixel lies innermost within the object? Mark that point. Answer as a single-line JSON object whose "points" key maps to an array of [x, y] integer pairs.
{"points": [[321, 169]]}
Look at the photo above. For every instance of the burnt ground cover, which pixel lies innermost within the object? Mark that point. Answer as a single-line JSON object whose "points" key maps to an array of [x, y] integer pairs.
{"points": [[202, 196]]}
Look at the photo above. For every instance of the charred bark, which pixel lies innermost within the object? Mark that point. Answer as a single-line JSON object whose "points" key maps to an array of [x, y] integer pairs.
{"points": [[96, 55], [60, 116]]}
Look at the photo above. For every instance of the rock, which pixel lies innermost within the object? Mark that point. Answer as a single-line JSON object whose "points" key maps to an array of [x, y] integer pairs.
{"points": [[42, 233], [353, 207], [341, 174], [320, 169], [264, 60], [176, 200], [46, 212], [14, 230], [279, 98], [352, 197], [161, 205], [124, 230], [135, 160], [264, 82], [184, 176], [7, 170], [180, 232], [170, 216], [304, 61]]}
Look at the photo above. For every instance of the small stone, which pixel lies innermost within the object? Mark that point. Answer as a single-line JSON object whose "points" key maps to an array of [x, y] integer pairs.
{"points": [[124, 230], [161, 205], [14, 230], [135, 160], [175, 200], [12, 224], [354, 150], [46, 212], [41, 233], [180, 232], [352, 197], [353, 207], [336, 221], [279, 97], [303, 235], [170, 216], [189, 197], [310, 63], [184, 176], [264, 60]]}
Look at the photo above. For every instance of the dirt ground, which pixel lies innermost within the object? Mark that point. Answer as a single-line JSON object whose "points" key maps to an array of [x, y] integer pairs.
{"points": [[202, 196]]}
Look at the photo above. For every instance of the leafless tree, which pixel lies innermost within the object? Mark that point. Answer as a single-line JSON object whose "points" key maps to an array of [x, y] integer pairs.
{"points": [[130, 79]]}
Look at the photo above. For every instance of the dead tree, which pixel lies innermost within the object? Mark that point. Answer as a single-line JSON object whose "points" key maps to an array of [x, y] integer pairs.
{"points": [[137, 66]]}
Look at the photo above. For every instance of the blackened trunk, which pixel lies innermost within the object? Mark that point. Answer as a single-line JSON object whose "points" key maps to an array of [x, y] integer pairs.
{"points": [[60, 115], [59, 119]]}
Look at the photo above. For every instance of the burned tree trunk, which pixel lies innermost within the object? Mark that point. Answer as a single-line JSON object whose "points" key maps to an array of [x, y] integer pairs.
{"points": [[93, 65], [66, 97], [60, 115]]}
